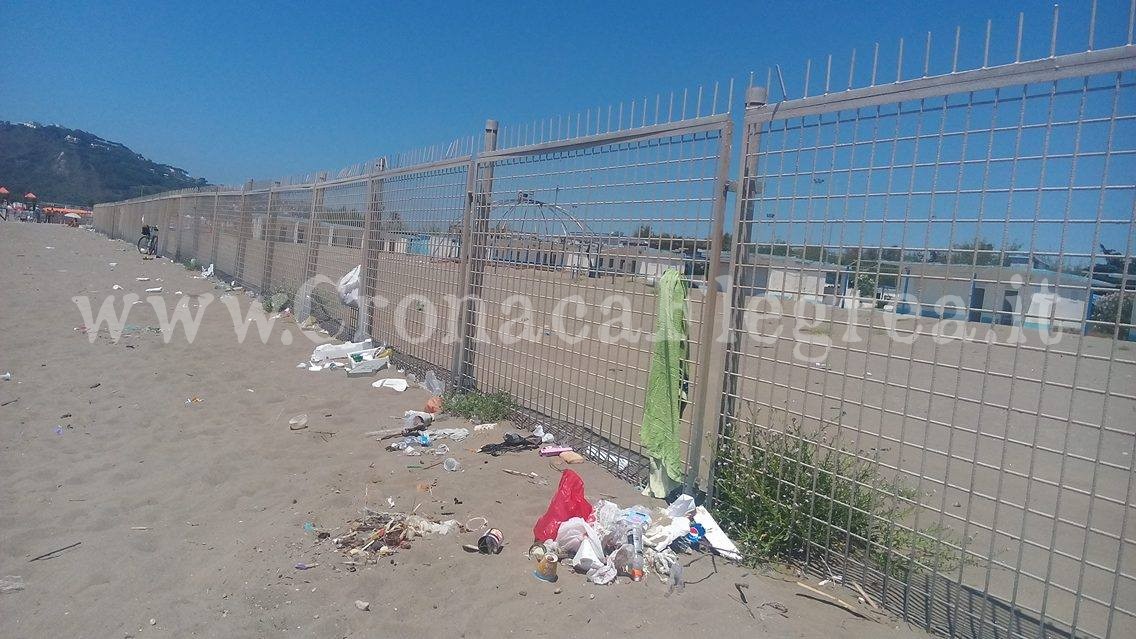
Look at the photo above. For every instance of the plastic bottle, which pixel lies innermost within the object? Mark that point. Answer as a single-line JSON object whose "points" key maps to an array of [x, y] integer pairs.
{"points": [[635, 539]]}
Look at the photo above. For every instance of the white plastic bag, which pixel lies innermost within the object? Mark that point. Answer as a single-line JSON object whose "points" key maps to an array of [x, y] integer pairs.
{"points": [[397, 385], [605, 513], [681, 507], [663, 534], [602, 575], [349, 288], [575, 532]]}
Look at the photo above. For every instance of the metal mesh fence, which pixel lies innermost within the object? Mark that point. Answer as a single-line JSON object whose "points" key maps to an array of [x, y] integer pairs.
{"points": [[416, 251], [251, 239], [923, 352], [336, 247], [570, 237], [929, 359], [226, 226], [288, 239]]}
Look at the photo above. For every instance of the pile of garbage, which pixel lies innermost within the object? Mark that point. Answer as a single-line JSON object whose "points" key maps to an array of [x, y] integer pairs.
{"points": [[603, 541], [357, 358], [381, 534]]}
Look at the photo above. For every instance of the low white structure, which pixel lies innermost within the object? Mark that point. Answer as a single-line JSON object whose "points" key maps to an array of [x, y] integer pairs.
{"points": [[444, 247], [792, 278], [1024, 294]]}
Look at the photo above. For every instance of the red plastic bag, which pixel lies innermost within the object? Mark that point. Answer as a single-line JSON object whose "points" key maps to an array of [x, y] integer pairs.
{"points": [[568, 502]]}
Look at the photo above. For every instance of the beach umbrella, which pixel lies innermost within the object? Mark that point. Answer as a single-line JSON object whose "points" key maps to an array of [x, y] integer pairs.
{"points": [[74, 216]]}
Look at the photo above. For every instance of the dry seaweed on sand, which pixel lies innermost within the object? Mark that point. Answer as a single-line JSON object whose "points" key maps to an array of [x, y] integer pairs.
{"points": [[379, 534]]}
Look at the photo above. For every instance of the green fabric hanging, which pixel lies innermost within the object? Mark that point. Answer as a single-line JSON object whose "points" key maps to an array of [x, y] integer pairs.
{"points": [[666, 384]]}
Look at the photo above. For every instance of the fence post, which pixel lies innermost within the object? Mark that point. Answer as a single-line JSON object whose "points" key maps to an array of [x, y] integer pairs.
{"points": [[475, 225], [196, 229], [312, 260], [705, 410], [173, 209], [216, 232], [269, 246], [748, 188], [370, 245], [243, 227]]}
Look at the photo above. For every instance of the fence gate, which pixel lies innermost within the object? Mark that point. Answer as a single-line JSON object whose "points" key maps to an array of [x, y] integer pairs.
{"points": [[931, 383]]}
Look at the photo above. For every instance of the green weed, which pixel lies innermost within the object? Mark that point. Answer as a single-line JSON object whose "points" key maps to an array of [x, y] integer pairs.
{"points": [[784, 493], [487, 407]]}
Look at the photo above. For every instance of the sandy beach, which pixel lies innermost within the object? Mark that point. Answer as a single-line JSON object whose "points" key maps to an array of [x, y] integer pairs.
{"points": [[189, 518]]}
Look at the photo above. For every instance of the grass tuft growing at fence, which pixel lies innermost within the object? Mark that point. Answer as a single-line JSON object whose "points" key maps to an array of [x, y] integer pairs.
{"points": [[485, 407], [783, 493], [277, 301]]}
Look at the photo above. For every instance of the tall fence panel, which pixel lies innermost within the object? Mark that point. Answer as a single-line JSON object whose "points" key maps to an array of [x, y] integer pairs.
{"points": [[226, 228], [930, 381], [336, 247], [288, 238], [573, 225], [415, 254]]}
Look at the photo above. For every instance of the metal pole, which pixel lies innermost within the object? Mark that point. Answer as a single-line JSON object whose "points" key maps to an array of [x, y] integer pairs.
{"points": [[216, 235], [466, 248], [371, 246], [269, 245], [174, 212], [475, 229], [313, 245], [748, 189], [242, 235], [707, 346], [196, 229]]}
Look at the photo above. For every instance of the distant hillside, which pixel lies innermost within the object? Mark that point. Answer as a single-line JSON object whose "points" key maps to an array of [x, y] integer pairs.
{"points": [[76, 167]]}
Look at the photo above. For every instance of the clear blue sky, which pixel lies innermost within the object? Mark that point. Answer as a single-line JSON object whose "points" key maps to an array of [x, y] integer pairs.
{"points": [[230, 91]]}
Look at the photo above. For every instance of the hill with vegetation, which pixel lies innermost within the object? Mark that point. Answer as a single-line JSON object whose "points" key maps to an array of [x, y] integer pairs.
{"points": [[75, 167]]}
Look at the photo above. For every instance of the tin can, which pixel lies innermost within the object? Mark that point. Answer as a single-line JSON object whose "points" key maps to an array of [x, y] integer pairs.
{"points": [[491, 542], [546, 567]]}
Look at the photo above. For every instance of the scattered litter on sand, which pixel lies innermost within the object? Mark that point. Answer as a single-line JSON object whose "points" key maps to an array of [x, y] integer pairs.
{"points": [[333, 351], [510, 443], [571, 457], [603, 540], [381, 534], [397, 385]]}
